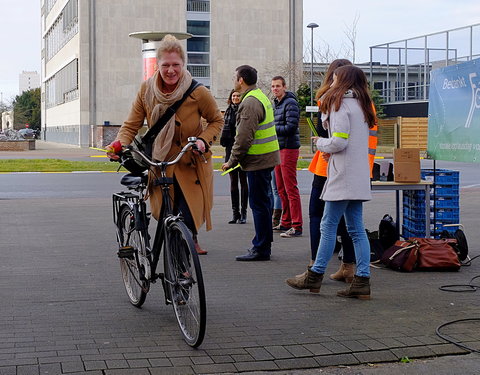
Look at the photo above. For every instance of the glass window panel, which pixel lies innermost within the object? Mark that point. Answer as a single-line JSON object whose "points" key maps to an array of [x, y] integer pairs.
{"points": [[198, 58], [198, 44], [198, 27]]}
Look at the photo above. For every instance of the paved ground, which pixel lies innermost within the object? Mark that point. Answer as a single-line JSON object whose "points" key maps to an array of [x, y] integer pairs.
{"points": [[64, 309]]}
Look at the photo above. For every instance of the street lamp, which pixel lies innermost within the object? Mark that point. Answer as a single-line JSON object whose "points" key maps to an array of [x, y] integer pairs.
{"points": [[311, 26]]}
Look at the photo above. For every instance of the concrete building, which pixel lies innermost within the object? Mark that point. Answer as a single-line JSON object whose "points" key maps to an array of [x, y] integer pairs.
{"points": [[92, 69], [28, 81]]}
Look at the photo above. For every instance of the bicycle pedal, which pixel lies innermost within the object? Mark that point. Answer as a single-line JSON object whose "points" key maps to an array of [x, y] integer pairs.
{"points": [[126, 252]]}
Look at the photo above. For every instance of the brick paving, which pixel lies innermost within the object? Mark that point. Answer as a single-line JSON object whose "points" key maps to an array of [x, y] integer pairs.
{"points": [[64, 310]]}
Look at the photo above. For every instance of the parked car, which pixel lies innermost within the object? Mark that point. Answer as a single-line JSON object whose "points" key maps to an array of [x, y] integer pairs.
{"points": [[28, 133]]}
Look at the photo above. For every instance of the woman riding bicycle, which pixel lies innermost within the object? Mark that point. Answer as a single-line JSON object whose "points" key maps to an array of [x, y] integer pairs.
{"points": [[193, 177]]}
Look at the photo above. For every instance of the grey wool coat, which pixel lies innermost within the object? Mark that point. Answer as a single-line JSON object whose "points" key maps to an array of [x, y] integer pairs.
{"points": [[348, 173]]}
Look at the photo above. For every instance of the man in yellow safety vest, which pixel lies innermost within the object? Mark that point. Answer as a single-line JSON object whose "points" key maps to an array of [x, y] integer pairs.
{"points": [[256, 149]]}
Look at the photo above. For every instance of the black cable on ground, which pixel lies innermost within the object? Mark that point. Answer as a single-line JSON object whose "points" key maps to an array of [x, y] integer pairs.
{"points": [[459, 288], [446, 338]]}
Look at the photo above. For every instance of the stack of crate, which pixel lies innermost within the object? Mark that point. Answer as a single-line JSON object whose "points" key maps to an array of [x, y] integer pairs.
{"points": [[444, 204]]}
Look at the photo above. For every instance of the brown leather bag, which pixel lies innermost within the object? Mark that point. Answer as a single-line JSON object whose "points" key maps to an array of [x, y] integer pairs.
{"points": [[436, 254], [402, 256]]}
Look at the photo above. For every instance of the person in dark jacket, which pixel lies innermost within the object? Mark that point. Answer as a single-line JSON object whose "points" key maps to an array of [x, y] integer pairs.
{"points": [[287, 117], [227, 139]]}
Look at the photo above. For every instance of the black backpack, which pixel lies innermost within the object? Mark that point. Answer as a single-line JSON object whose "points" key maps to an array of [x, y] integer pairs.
{"points": [[387, 232]]}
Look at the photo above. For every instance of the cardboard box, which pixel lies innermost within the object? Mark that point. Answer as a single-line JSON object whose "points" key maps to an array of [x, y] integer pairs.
{"points": [[406, 165]]}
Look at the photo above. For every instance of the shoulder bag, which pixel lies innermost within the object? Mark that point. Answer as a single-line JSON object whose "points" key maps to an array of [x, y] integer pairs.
{"points": [[437, 254], [402, 256]]}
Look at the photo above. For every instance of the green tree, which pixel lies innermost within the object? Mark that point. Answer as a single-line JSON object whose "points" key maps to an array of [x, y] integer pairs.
{"points": [[303, 96], [26, 109], [378, 102]]}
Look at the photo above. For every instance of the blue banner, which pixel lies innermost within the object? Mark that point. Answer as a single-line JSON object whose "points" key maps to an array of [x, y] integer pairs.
{"points": [[454, 113]]}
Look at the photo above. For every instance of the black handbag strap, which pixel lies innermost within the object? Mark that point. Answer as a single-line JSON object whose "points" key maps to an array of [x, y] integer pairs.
{"points": [[155, 129]]}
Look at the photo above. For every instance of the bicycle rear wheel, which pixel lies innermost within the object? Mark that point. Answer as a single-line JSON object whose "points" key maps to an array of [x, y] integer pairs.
{"points": [[183, 276], [132, 268]]}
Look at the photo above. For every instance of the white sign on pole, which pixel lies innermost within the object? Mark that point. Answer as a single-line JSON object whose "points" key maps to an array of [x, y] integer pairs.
{"points": [[311, 108]]}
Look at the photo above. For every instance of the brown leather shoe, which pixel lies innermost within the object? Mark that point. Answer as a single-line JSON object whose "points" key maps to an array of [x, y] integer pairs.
{"points": [[199, 250]]}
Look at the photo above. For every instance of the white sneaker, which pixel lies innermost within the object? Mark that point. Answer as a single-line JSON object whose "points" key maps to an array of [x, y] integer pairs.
{"points": [[292, 232]]}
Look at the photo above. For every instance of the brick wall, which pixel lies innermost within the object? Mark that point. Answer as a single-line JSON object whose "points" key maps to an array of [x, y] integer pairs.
{"points": [[24, 145]]}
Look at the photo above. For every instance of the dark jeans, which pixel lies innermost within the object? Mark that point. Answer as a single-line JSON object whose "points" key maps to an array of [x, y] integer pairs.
{"points": [[315, 212], [258, 194]]}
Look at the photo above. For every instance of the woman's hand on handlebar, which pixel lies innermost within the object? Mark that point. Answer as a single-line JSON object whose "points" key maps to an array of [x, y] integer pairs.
{"points": [[113, 150], [199, 147]]}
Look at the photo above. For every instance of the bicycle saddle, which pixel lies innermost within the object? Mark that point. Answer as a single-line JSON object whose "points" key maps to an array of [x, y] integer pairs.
{"points": [[133, 181]]}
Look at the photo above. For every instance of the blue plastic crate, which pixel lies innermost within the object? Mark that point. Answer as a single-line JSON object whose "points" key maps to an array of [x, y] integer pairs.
{"points": [[439, 225], [445, 191], [414, 225], [407, 232], [413, 213], [445, 214], [446, 202], [414, 201], [442, 176]]}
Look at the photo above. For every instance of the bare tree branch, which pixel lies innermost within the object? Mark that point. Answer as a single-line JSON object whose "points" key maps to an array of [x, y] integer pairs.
{"points": [[351, 34]]}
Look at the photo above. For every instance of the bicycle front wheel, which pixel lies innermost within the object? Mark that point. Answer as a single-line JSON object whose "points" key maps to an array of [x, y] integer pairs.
{"points": [[132, 268], [183, 276]]}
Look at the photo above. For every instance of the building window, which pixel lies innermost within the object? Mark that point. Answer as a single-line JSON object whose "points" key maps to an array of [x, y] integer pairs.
{"points": [[198, 48], [63, 86], [198, 58], [63, 29], [198, 27], [198, 6]]}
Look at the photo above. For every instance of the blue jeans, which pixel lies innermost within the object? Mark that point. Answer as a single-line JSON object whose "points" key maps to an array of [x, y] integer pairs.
{"points": [[259, 192], [315, 212], [353, 211], [276, 202]]}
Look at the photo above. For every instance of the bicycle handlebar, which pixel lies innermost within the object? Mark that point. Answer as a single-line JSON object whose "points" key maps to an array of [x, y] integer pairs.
{"points": [[191, 144]]}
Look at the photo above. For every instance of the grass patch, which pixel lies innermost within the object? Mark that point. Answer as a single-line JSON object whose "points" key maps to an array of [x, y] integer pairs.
{"points": [[59, 165], [55, 165]]}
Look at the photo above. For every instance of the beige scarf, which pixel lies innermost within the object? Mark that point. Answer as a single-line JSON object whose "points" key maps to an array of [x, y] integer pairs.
{"points": [[154, 97]]}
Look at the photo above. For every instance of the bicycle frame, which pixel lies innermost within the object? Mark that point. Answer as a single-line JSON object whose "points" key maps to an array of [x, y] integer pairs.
{"points": [[136, 202]]}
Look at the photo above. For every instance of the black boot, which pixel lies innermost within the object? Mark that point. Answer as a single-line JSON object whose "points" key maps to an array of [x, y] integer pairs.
{"points": [[235, 207], [243, 215]]}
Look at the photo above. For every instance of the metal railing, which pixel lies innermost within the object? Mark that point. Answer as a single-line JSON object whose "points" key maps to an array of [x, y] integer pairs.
{"points": [[198, 6]]}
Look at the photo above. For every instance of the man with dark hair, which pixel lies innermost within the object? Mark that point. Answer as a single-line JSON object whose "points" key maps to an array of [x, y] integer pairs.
{"points": [[287, 117], [256, 150]]}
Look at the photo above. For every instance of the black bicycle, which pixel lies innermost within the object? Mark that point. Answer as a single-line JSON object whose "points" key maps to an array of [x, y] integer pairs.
{"points": [[182, 279]]}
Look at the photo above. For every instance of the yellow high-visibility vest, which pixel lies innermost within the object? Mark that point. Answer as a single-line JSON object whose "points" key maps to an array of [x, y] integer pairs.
{"points": [[265, 138]]}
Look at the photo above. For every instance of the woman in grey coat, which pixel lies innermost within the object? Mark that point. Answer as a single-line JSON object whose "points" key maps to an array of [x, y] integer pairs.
{"points": [[348, 115]]}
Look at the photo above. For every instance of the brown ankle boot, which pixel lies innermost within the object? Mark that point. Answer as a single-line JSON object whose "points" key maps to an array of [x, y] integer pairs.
{"points": [[309, 280], [359, 288], [344, 273], [309, 265]]}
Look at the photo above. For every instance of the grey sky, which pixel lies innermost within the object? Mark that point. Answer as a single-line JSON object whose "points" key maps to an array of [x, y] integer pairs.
{"points": [[379, 22]]}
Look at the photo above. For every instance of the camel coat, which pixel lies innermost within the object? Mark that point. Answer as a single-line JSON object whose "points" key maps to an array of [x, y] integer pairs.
{"points": [[194, 176]]}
